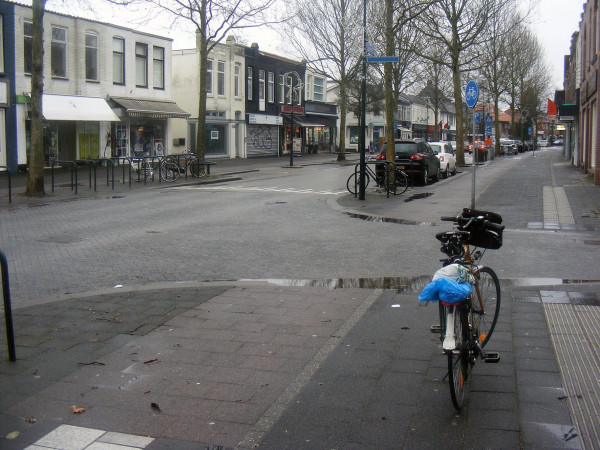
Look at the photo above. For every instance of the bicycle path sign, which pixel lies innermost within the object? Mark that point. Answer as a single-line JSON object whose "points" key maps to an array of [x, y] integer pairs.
{"points": [[471, 93]]}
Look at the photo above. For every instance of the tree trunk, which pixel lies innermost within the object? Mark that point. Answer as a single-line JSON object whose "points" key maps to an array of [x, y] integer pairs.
{"points": [[390, 107], [202, 43], [35, 174], [343, 110], [460, 149]]}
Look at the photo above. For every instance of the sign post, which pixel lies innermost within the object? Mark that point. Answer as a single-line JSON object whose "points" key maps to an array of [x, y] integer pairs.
{"points": [[471, 97]]}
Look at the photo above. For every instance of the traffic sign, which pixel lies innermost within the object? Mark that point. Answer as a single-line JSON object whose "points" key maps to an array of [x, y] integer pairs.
{"points": [[382, 59], [477, 116], [471, 93], [489, 119]]}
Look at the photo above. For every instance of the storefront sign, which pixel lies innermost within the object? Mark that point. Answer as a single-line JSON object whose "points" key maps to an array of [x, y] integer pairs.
{"points": [[261, 119]]}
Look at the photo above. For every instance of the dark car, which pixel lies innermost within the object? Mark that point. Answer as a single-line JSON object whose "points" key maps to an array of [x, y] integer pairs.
{"points": [[416, 159]]}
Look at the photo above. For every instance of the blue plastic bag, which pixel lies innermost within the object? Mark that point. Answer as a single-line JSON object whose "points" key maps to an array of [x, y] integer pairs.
{"points": [[446, 290]]}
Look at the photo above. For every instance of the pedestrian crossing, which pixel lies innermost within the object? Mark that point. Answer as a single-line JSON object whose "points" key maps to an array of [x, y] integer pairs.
{"points": [[263, 189]]}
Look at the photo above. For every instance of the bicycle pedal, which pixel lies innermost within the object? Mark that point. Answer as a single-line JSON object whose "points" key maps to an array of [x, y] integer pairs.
{"points": [[436, 329], [491, 357]]}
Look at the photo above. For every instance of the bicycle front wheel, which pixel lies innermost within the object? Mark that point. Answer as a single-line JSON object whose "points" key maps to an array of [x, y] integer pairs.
{"points": [[353, 182], [169, 171], [486, 303], [458, 359]]}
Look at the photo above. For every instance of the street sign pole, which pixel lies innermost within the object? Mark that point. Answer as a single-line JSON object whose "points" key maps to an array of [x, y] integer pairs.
{"points": [[471, 96], [363, 110]]}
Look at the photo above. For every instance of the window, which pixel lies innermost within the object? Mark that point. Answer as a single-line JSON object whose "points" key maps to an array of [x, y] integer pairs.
{"points": [[158, 67], [281, 89], [261, 90], [221, 78], [236, 80], [209, 76], [1, 43], [309, 81], [249, 83], [261, 84], [141, 65], [271, 88], [91, 56], [27, 46], [58, 52], [118, 61], [319, 89]]}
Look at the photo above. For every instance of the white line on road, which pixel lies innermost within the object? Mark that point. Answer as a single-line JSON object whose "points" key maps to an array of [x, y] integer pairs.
{"points": [[260, 189]]}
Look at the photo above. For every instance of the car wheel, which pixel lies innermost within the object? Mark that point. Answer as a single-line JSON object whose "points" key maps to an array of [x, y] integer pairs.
{"points": [[454, 170], [425, 176], [447, 172]]}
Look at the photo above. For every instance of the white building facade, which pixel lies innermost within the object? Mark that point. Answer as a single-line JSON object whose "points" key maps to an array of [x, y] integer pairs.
{"points": [[107, 89]]}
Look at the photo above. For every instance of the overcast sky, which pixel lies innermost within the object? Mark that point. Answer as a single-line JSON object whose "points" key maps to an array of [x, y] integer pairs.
{"points": [[554, 23]]}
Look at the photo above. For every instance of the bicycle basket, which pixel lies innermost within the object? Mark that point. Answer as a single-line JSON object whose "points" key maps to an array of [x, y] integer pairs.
{"points": [[479, 235]]}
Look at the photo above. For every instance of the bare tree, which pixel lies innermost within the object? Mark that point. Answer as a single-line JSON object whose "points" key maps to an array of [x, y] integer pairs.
{"points": [[328, 36], [458, 26], [35, 174]]}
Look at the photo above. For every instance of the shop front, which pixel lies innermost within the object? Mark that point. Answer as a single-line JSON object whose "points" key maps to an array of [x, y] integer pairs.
{"points": [[262, 135], [144, 128]]}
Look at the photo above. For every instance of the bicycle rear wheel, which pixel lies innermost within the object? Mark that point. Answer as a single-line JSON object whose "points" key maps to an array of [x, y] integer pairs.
{"points": [[400, 184], [486, 304], [196, 169], [169, 171], [458, 359], [353, 182]]}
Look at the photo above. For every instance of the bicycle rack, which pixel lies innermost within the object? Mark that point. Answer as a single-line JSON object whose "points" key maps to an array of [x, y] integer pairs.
{"points": [[109, 163], [73, 172], [10, 335], [6, 171]]}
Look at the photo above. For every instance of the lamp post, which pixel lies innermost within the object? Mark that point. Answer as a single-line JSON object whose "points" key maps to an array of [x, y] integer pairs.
{"points": [[363, 110], [289, 83]]}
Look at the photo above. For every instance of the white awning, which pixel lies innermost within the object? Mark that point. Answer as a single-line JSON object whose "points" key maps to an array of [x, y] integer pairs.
{"points": [[70, 107]]}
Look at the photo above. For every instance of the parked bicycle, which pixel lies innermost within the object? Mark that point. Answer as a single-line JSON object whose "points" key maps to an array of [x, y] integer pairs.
{"points": [[145, 168], [188, 162], [397, 186], [466, 326]]}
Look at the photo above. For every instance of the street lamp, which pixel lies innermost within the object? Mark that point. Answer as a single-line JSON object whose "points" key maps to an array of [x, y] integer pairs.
{"points": [[288, 78]]}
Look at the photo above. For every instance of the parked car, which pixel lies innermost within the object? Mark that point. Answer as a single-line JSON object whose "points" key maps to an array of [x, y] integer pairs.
{"points": [[528, 145], [519, 145], [416, 159], [542, 143], [508, 147], [446, 155], [558, 142]]}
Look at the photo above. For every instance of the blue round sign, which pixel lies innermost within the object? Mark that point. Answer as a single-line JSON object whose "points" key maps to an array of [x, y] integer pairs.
{"points": [[471, 93]]}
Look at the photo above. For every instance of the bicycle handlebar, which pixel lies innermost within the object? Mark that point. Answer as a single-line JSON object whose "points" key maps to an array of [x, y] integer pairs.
{"points": [[465, 222]]}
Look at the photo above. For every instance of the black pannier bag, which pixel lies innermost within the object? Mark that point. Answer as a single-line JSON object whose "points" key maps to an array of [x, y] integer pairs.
{"points": [[480, 236]]}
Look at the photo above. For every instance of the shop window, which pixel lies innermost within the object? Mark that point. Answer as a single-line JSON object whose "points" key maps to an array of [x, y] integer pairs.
{"points": [[271, 88], [236, 80], [318, 90], [158, 67], [91, 56], [141, 65], [215, 140], [353, 135], [58, 52], [249, 83], [118, 61], [27, 46], [220, 77], [209, 76]]}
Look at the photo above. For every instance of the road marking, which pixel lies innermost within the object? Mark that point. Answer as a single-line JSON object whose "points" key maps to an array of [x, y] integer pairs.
{"points": [[261, 189], [556, 206], [73, 437]]}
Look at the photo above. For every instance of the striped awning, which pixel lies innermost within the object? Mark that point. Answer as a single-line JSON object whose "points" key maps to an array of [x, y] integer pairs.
{"points": [[153, 109]]}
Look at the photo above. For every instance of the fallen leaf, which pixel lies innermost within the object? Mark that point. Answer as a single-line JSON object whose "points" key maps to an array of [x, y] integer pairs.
{"points": [[30, 419], [77, 409], [12, 435], [95, 340], [155, 406], [147, 392], [151, 361]]}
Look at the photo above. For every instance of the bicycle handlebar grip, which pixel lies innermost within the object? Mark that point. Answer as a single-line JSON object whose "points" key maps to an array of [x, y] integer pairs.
{"points": [[493, 226], [449, 219]]}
